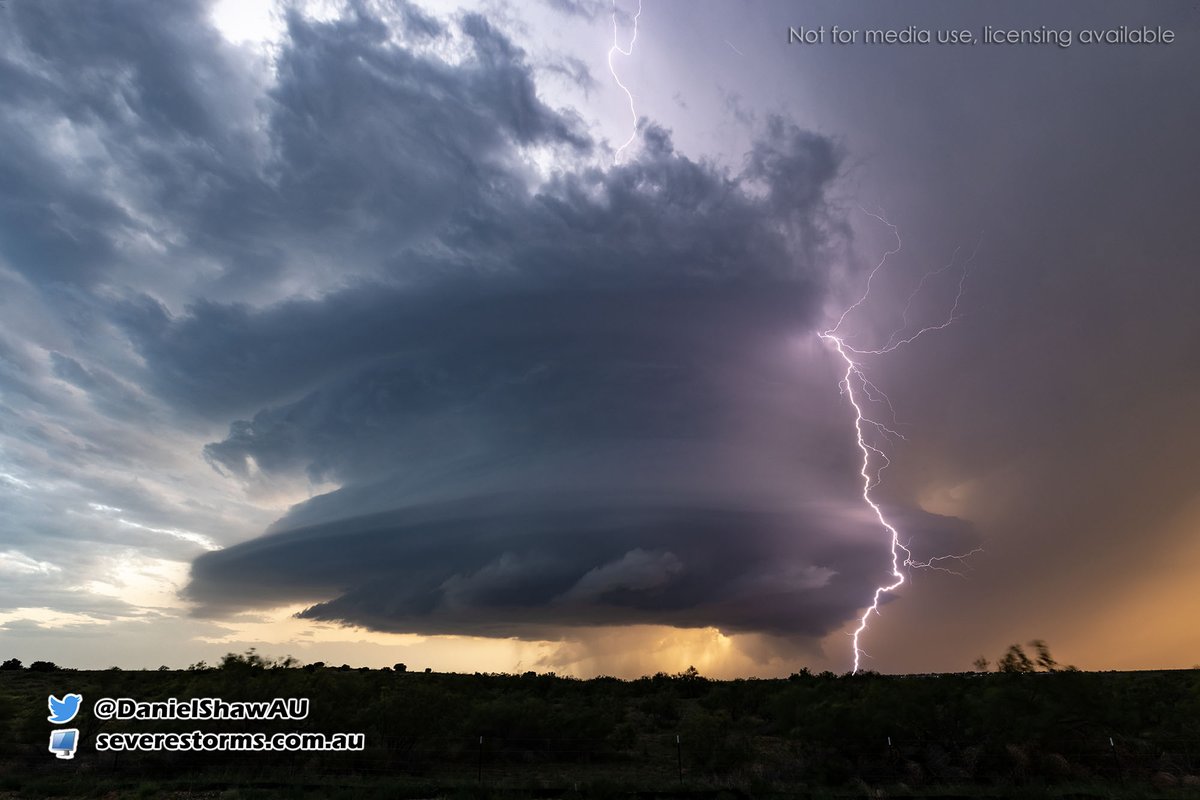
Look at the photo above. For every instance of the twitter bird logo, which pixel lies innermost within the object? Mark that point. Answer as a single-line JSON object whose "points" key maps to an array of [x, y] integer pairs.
{"points": [[63, 710]]}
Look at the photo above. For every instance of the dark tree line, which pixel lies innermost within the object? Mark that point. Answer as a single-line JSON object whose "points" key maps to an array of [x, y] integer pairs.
{"points": [[1029, 723]]}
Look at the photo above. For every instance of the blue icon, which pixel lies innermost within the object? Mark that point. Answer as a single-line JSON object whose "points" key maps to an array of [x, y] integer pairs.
{"points": [[63, 710], [63, 742]]}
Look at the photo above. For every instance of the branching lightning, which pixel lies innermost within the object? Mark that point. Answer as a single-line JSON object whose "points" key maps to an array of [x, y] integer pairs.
{"points": [[855, 385], [860, 391], [625, 51]]}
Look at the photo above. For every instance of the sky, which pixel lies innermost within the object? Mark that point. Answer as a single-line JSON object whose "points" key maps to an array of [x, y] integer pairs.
{"points": [[486, 337]]}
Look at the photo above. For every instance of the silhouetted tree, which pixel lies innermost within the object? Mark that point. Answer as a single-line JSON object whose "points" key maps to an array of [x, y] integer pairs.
{"points": [[251, 660], [12, 663], [44, 666], [1044, 661], [981, 664], [401, 668], [1015, 661]]}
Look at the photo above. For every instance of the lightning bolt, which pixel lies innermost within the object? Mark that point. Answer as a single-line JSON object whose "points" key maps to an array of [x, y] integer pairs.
{"points": [[874, 459], [625, 51], [859, 391]]}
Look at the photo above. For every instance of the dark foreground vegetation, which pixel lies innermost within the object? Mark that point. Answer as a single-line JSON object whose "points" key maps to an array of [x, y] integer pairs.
{"points": [[1002, 734]]}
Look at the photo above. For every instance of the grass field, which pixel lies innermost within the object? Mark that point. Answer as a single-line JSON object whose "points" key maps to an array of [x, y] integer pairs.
{"points": [[1061, 734]]}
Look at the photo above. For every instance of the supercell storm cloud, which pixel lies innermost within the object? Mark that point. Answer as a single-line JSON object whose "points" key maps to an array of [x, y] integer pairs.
{"points": [[547, 399], [535, 406]]}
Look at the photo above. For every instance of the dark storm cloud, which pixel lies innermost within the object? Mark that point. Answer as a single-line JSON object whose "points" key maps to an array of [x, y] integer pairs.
{"points": [[519, 369], [588, 356], [588, 236], [532, 407], [554, 399], [531, 566]]}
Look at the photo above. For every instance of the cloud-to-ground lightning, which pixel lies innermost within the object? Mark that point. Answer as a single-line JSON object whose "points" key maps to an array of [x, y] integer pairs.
{"points": [[860, 391], [855, 385], [625, 51]]}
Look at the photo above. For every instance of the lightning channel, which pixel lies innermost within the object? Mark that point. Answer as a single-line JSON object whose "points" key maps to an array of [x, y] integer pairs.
{"points": [[625, 51], [862, 395]]}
